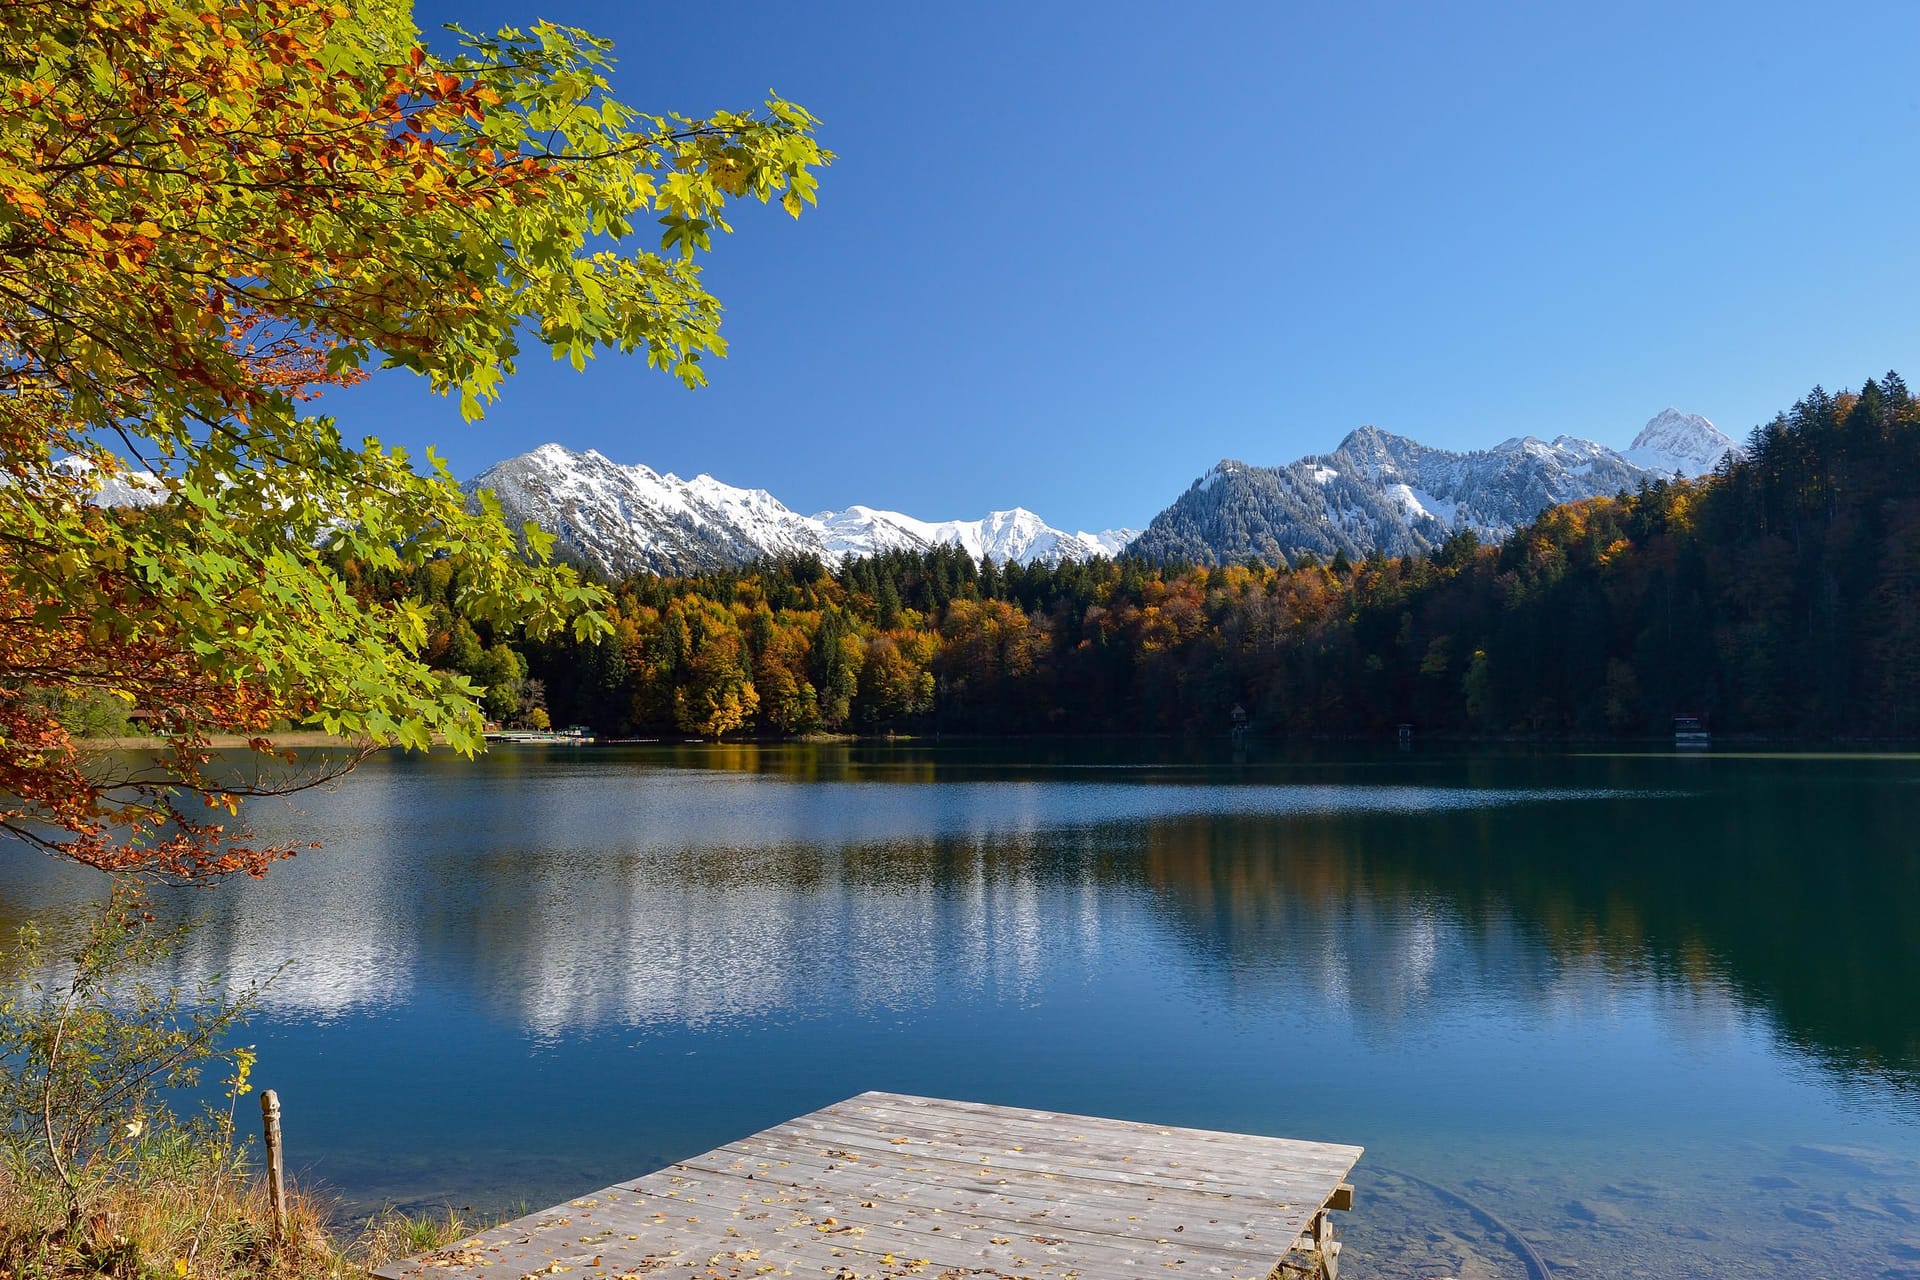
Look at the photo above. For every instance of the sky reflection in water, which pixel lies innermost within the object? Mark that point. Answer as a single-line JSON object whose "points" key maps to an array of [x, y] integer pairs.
{"points": [[1589, 987]]}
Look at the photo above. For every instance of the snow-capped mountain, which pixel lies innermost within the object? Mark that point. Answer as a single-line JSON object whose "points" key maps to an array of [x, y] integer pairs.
{"points": [[1018, 534], [1380, 491], [130, 488], [621, 519], [1685, 443]]}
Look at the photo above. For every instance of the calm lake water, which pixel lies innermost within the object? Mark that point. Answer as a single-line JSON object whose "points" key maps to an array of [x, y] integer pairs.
{"points": [[1661, 1015]]}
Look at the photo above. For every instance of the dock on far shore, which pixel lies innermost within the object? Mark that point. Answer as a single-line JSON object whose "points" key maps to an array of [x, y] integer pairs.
{"points": [[895, 1186], [571, 736]]}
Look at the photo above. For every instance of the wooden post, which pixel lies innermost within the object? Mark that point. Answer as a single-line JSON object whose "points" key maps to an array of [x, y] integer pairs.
{"points": [[276, 1170], [1325, 1246]]}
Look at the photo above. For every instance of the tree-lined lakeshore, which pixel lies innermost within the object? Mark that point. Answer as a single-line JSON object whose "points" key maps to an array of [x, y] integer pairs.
{"points": [[1775, 597], [218, 216], [211, 215]]}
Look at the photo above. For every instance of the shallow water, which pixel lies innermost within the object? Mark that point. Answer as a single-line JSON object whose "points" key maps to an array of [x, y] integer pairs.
{"points": [[1659, 1015]]}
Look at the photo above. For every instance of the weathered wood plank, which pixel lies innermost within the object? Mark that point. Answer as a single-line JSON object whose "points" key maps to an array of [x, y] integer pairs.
{"points": [[1019, 1186], [893, 1186], [914, 1210], [870, 1181], [1208, 1177], [1103, 1141], [989, 1120], [1001, 1118], [677, 1247], [1016, 1136]]}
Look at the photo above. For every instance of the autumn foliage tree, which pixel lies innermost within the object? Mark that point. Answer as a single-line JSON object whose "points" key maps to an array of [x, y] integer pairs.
{"points": [[210, 214], [1776, 596]]}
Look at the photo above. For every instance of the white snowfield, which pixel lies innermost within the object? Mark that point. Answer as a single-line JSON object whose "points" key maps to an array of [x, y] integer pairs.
{"points": [[1017, 535], [622, 518]]}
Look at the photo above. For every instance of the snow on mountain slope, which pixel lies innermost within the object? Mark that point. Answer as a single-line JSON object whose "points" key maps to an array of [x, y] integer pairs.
{"points": [[863, 531], [121, 489], [1379, 491], [1018, 535], [1686, 443], [620, 519], [1376, 491]]}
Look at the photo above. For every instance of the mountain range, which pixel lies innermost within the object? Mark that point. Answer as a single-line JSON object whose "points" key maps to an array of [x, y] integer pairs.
{"points": [[1379, 491], [621, 519], [1376, 491]]}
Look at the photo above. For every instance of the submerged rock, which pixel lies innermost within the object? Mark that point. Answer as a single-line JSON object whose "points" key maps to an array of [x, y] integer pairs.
{"points": [[1599, 1214], [1632, 1190], [1866, 1162]]}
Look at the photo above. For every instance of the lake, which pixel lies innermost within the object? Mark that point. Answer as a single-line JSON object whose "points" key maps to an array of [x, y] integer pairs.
{"points": [[1660, 1014]]}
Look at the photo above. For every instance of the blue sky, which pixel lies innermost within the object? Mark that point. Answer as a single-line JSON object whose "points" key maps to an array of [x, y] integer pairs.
{"points": [[1072, 255]]}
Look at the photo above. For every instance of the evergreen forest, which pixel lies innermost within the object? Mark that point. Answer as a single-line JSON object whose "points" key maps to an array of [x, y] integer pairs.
{"points": [[1778, 596]]}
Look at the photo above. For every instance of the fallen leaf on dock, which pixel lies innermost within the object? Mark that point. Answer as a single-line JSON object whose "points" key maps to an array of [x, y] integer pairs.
{"points": [[454, 1258]]}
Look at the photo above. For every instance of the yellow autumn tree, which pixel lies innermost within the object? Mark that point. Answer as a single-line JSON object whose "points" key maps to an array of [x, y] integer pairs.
{"points": [[212, 211]]}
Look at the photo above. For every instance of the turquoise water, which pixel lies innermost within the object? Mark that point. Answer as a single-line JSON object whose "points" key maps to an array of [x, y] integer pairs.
{"points": [[1658, 1014]]}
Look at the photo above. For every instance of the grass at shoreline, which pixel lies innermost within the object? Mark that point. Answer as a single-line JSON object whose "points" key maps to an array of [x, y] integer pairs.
{"points": [[186, 1225]]}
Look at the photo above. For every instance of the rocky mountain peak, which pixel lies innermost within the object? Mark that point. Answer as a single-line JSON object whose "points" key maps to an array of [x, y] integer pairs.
{"points": [[1378, 491], [1684, 443]]}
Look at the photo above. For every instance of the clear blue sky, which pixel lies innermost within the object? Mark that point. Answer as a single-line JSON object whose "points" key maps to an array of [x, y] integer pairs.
{"points": [[1072, 255]]}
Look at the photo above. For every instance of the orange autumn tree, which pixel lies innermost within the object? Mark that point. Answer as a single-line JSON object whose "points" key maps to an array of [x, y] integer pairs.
{"points": [[212, 212]]}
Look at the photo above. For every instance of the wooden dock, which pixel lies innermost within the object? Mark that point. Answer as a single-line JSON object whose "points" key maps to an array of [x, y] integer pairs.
{"points": [[888, 1185]]}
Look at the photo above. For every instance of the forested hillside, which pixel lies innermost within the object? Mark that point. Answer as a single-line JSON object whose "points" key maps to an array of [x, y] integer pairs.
{"points": [[1779, 595]]}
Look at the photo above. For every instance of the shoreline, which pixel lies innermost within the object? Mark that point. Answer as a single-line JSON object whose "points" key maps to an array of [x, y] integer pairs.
{"points": [[222, 741], [1725, 746]]}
